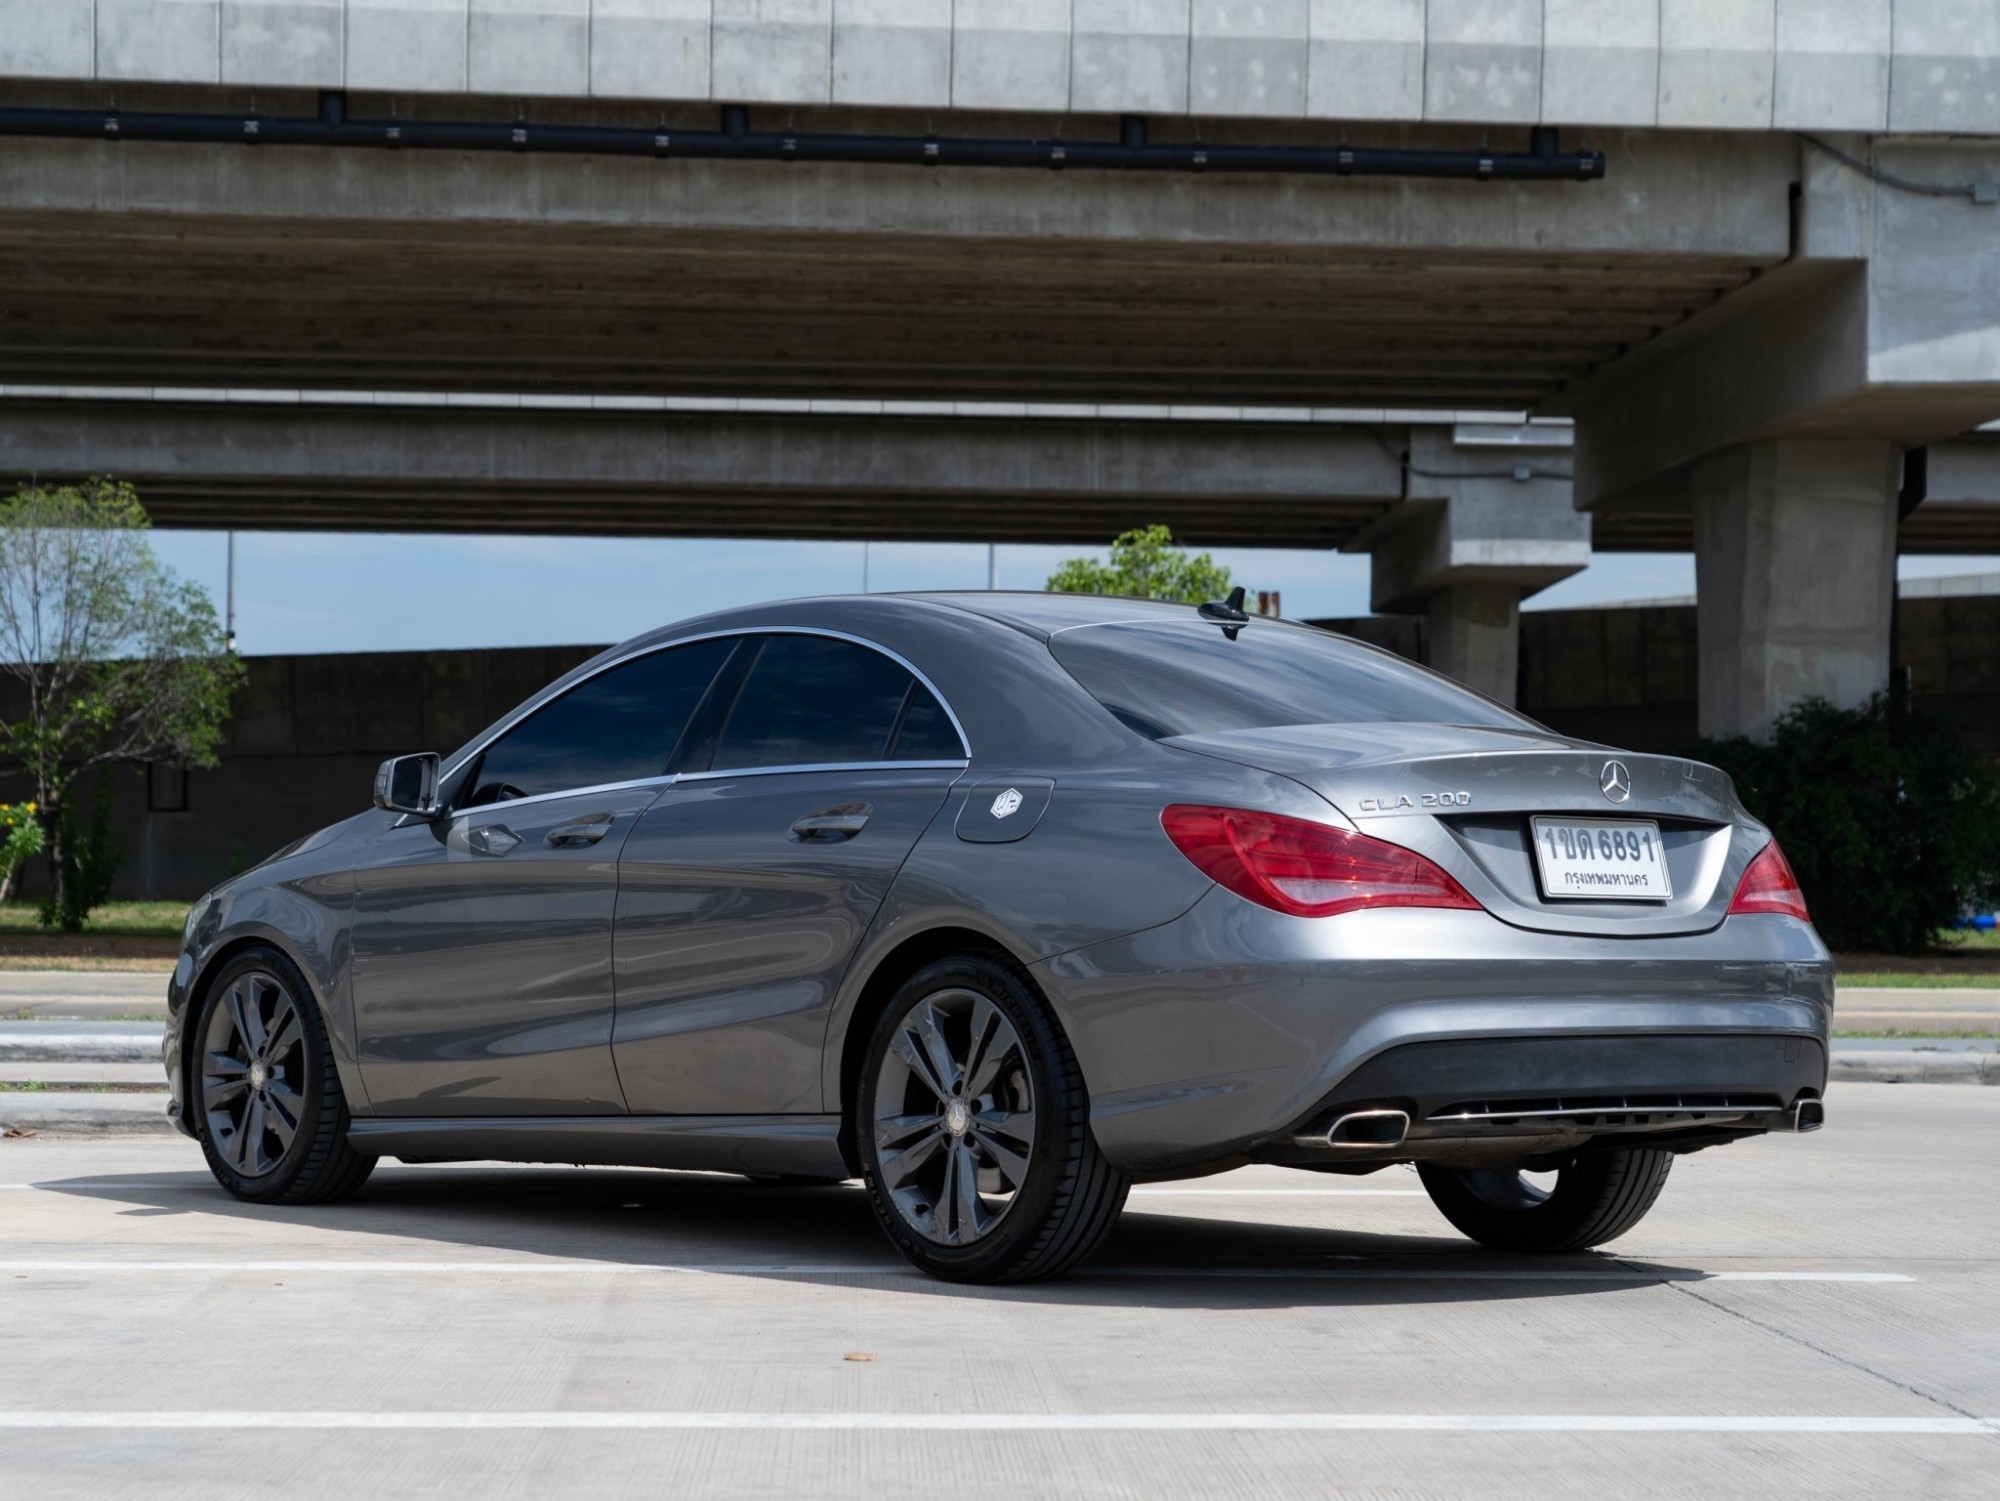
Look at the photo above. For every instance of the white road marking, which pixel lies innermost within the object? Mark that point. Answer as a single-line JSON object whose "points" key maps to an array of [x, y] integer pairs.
{"points": [[583, 1267], [1284, 1193], [1031, 1422]]}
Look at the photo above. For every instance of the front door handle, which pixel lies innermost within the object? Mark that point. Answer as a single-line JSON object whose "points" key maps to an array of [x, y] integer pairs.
{"points": [[831, 825], [583, 831]]}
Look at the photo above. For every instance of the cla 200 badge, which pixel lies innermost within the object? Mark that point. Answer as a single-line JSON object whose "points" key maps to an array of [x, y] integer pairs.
{"points": [[1425, 800]]}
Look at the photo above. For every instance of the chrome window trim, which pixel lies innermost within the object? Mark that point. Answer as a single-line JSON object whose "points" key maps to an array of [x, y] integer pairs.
{"points": [[772, 771], [664, 782], [897, 657]]}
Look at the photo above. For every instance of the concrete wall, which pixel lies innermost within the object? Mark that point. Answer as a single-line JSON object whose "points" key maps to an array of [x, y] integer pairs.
{"points": [[1865, 65], [1628, 676], [302, 749]]}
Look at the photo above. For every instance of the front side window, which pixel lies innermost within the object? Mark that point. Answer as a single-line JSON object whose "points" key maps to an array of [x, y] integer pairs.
{"points": [[619, 726], [1164, 678], [817, 701]]}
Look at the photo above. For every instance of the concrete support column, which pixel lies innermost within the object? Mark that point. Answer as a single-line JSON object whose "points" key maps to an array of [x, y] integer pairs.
{"points": [[1475, 636], [1795, 563]]}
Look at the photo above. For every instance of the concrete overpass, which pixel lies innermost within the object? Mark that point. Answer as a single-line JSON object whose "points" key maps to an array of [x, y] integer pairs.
{"points": [[1749, 328]]}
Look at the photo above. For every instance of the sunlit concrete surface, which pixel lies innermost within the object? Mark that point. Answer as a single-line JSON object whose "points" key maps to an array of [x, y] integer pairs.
{"points": [[1800, 1317]]}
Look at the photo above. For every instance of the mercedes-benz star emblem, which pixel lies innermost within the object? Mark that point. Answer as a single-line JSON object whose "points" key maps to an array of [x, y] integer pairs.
{"points": [[1615, 782]]}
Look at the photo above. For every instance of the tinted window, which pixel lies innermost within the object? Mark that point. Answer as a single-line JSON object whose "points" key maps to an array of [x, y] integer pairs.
{"points": [[812, 700], [926, 733], [1188, 679], [619, 726]]}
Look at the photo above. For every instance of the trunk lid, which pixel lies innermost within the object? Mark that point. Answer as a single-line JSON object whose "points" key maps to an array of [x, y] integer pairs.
{"points": [[1465, 797]]}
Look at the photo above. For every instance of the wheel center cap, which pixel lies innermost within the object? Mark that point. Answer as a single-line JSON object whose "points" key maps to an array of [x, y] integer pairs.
{"points": [[259, 1075], [957, 1117]]}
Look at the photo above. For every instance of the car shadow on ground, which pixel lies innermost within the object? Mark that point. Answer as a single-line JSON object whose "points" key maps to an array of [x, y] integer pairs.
{"points": [[706, 1222]]}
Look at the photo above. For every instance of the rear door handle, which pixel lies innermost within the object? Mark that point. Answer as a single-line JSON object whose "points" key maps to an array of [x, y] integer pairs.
{"points": [[830, 825], [583, 831]]}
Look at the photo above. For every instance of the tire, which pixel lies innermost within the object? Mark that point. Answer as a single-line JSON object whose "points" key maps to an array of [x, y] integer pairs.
{"points": [[268, 1108], [1597, 1197], [991, 1174]]}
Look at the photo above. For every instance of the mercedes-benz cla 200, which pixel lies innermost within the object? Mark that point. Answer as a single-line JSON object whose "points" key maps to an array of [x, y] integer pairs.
{"points": [[1003, 903]]}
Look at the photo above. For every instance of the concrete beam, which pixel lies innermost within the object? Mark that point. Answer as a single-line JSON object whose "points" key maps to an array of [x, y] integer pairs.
{"points": [[1885, 324], [229, 266], [1016, 479], [1710, 64], [1960, 514]]}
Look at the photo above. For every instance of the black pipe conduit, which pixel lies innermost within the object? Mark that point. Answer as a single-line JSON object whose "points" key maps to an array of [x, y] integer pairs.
{"points": [[737, 142]]}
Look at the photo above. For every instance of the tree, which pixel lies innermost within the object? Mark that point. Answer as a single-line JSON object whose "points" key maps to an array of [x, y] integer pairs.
{"points": [[114, 659], [1145, 564]]}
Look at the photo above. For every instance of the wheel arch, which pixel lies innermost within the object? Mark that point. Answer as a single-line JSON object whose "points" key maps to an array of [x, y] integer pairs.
{"points": [[214, 963], [884, 976]]}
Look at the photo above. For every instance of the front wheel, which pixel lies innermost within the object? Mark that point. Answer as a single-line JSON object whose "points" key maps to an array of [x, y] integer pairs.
{"points": [[974, 1129], [267, 1100], [1595, 1198]]}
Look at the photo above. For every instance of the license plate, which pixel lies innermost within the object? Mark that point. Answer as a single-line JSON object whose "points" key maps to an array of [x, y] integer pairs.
{"points": [[1601, 859]]}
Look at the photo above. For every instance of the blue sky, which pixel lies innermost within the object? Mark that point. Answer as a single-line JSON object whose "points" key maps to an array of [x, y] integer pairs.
{"points": [[336, 591]]}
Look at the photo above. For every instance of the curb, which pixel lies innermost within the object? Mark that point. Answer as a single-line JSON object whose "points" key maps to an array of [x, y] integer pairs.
{"points": [[1914, 1067], [62, 1046], [59, 1114]]}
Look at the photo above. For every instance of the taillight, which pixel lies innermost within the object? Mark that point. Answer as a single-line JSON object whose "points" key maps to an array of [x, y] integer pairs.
{"points": [[1769, 886], [1306, 869]]}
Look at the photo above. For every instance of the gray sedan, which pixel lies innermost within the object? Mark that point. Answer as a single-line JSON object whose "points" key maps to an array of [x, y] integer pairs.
{"points": [[1003, 903]]}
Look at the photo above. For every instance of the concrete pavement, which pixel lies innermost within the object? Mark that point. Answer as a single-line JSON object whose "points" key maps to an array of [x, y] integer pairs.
{"points": [[1796, 1317]]}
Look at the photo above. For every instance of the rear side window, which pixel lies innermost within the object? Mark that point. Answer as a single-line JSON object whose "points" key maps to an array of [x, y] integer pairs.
{"points": [[1167, 678], [926, 732], [620, 726], [816, 701]]}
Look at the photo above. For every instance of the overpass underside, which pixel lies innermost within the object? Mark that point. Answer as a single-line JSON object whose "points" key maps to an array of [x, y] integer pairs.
{"points": [[233, 266]]}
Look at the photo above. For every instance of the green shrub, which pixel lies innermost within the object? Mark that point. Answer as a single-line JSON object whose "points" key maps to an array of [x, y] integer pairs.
{"points": [[1888, 814], [90, 861]]}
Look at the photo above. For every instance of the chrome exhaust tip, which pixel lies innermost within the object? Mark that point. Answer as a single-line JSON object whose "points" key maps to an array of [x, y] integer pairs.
{"points": [[1369, 1128], [1808, 1115]]}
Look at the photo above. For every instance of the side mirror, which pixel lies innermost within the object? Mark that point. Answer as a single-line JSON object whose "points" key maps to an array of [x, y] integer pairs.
{"points": [[409, 784]]}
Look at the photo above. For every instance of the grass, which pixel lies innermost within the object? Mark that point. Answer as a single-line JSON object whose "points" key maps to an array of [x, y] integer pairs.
{"points": [[98, 964], [112, 920], [1862, 979]]}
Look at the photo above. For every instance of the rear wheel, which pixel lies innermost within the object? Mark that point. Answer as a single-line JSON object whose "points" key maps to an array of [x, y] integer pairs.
{"points": [[974, 1129], [267, 1101], [1595, 1198]]}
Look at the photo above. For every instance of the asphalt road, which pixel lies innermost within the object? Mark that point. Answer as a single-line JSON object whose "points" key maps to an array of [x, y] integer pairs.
{"points": [[1799, 1317]]}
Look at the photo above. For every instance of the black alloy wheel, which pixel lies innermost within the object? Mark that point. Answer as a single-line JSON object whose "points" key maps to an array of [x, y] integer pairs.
{"points": [[974, 1129], [266, 1097]]}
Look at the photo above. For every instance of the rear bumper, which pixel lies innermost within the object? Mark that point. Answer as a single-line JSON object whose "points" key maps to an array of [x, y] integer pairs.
{"points": [[1461, 1101], [1228, 1032]]}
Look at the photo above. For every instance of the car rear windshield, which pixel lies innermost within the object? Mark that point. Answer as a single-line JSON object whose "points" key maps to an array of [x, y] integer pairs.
{"points": [[1167, 678]]}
